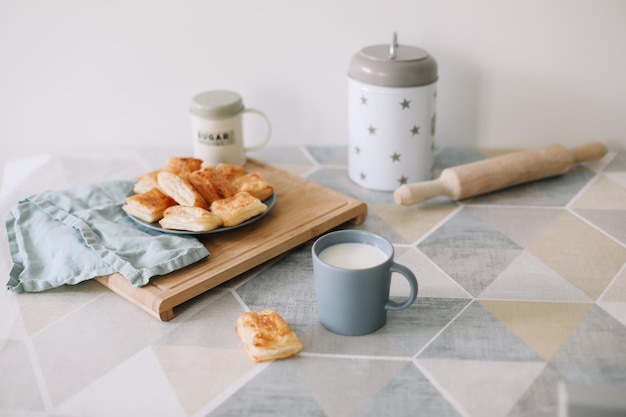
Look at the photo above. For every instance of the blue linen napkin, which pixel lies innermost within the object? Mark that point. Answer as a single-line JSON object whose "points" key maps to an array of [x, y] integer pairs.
{"points": [[69, 236]]}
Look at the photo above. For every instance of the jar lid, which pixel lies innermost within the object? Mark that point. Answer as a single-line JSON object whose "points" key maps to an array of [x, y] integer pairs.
{"points": [[393, 65], [216, 104]]}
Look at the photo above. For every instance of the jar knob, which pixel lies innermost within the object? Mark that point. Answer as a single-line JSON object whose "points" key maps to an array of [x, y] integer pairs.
{"points": [[394, 46]]}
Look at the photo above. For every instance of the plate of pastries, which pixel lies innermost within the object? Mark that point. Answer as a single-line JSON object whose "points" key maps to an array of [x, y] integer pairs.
{"points": [[183, 197]]}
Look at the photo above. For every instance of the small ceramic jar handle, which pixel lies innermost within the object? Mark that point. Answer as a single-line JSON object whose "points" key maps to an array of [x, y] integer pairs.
{"points": [[264, 141]]}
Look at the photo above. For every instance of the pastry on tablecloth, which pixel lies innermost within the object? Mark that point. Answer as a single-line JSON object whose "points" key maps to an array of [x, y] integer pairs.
{"points": [[267, 336]]}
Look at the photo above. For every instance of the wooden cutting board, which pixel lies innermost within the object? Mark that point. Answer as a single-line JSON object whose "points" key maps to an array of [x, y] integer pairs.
{"points": [[303, 210]]}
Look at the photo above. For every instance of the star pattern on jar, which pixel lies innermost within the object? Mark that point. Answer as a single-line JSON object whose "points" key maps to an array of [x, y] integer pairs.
{"points": [[433, 121], [412, 128]]}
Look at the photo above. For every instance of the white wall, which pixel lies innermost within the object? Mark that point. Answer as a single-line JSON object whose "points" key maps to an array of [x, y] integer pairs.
{"points": [[513, 73]]}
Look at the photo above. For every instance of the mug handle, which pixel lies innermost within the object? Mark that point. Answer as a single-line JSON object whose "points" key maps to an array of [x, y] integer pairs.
{"points": [[267, 136], [401, 269]]}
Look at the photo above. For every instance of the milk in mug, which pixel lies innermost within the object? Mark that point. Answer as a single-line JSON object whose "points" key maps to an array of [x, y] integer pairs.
{"points": [[353, 255]]}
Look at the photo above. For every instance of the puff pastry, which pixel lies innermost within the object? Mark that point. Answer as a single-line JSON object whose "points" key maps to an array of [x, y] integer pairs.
{"points": [[193, 219], [180, 190], [254, 185], [182, 166], [211, 184], [146, 182], [267, 336], [230, 172], [148, 206], [238, 208]]}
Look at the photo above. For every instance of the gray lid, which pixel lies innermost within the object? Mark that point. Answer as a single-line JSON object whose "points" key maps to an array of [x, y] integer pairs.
{"points": [[393, 65], [216, 104]]}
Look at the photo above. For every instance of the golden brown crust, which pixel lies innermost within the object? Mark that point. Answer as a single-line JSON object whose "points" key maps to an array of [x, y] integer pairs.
{"points": [[230, 172], [180, 190], [182, 166], [237, 196], [238, 208], [267, 336], [193, 219], [211, 184], [254, 185], [148, 206], [146, 182]]}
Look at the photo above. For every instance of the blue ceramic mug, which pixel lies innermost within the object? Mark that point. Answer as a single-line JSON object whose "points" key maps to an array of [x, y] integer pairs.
{"points": [[352, 270]]}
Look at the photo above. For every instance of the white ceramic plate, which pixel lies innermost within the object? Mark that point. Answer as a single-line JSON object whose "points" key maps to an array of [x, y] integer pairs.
{"points": [[269, 202]]}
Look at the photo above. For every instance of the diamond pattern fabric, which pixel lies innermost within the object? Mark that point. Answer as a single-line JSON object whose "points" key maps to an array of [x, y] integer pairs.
{"points": [[519, 290]]}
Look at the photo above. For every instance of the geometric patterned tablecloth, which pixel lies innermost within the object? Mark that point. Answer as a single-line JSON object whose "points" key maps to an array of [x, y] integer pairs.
{"points": [[519, 290]]}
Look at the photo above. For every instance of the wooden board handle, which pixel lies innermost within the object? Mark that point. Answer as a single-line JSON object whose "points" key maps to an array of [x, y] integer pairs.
{"points": [[504, 171]]}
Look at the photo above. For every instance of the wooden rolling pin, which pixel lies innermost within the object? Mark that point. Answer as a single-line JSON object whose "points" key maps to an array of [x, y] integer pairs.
{"points": [[500, 172]]}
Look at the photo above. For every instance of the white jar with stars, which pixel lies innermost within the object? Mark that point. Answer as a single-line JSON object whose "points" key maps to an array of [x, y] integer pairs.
{"points": [[392, 91]]}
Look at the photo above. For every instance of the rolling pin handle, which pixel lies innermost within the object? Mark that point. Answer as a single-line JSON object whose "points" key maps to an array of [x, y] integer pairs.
{"points": [[420, 191], [591, 151]]}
